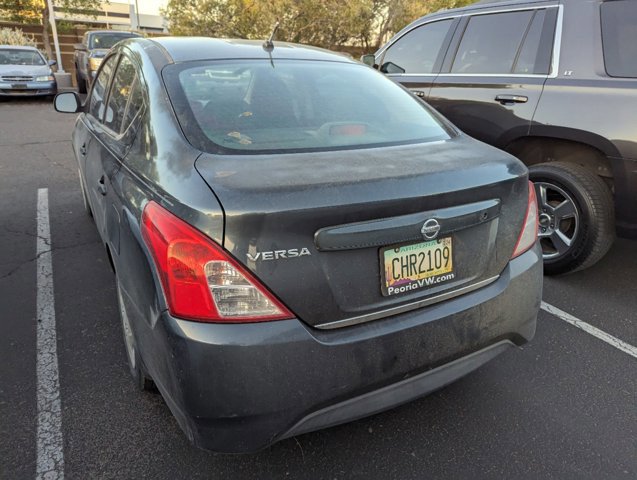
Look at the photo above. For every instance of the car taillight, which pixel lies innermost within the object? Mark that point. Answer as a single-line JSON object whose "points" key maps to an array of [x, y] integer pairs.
{"points": [[200, 279], [528, 235]]}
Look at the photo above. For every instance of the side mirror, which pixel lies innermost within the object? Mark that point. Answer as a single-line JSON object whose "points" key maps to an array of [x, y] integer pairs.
{"points": [[80, 46], [52, 62], [369, 60], [391, 67], [67, 102]]}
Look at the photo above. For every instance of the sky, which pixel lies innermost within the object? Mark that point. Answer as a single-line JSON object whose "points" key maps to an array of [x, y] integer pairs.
{"points": [[150, 6]]}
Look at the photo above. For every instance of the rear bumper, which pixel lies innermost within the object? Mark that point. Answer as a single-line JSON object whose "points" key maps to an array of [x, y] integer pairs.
{"points": [[239, 388], [27, 89]]}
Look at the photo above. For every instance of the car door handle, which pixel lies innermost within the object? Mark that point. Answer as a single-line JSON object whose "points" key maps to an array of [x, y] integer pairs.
{"points": [[101, 186], [504, 99], [83, 149]]}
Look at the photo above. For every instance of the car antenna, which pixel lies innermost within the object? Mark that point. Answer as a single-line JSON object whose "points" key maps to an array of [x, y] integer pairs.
{"points": [[268, 45]]}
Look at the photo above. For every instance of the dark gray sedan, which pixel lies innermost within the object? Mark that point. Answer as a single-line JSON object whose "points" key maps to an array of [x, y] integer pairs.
{"points": [[298, 241]]}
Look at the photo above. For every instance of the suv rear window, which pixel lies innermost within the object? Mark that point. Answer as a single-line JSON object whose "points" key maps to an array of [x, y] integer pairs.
{"points": [[290, 105], [619, 36]]}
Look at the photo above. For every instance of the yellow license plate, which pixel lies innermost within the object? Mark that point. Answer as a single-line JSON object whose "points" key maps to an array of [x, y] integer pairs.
{"points": [[419, 265]]}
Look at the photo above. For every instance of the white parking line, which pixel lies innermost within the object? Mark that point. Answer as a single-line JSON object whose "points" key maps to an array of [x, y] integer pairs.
{"points": [[576, 322], [50, 455]]}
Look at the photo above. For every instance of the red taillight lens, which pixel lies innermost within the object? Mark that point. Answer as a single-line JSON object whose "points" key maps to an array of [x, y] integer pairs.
{"points": [[528, 235], [200, 279]]}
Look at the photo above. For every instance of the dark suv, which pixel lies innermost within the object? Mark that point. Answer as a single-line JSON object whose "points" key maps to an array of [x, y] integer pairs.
{"points": [[553, 82]]}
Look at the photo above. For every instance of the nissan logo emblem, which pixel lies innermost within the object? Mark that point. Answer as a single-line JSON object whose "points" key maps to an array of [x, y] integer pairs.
{"points": [[430, 229]]}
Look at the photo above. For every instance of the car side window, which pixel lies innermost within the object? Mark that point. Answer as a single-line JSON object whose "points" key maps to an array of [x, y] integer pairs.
{"points": [[491, 42], [417, 50], [135, 103], [120, 93], [98, 94], [527, 61], [619, 38]]}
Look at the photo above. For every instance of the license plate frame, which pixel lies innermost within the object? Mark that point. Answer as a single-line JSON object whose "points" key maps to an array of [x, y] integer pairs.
{"points": [[426, 262]]}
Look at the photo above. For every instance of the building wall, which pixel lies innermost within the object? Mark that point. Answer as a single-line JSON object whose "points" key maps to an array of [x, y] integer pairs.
{"points": [[118, 16]]}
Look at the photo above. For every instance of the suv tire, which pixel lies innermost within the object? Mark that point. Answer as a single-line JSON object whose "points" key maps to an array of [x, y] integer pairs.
{"points": [[576, 216]]}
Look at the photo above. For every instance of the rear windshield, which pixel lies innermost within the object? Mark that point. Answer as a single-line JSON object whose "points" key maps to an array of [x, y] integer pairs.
{"points": [[10, 56], [107, 40], [290, 105]]}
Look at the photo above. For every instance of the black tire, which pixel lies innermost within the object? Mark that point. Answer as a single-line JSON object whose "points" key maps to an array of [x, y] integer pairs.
{"points": [[81, 83], [580, 232], [135, 364]]}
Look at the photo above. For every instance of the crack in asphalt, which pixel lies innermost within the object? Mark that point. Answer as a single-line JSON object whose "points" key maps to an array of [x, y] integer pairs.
{"points": [[28, 234], [33, 259]]}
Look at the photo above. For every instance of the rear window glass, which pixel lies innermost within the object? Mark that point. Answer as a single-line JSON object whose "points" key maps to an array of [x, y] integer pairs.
{"points": [[619, 35], [290, 105]]}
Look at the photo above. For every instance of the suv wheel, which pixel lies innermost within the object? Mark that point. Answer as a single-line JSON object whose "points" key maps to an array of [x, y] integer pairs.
{"points": [[135, 364], [576, 216]]}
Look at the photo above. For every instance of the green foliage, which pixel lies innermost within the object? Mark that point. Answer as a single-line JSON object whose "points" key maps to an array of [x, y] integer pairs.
{"points": [[325, 23], [24, 11], [10, 36], [28, 11]]}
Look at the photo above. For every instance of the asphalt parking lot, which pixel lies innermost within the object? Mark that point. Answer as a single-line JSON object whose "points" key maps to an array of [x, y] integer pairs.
{"points": [[563, 406]]}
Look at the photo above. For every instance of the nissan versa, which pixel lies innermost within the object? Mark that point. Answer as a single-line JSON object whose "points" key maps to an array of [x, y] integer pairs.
{"points": [[297, 240]]}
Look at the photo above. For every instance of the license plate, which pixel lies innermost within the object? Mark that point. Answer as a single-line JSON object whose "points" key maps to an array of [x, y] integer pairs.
{"points": [[19, 86], [411, 267]]}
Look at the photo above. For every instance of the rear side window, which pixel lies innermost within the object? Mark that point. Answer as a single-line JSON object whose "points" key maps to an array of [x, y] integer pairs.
{"points": [[291, 105], [490, 43], [135, 104], [98, 94], [120, 93], [418, 50], [527, 60], [619, 36]]}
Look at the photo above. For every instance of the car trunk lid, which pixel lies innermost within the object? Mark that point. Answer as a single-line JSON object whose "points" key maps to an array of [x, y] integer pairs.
{"points": [[315, 227]]}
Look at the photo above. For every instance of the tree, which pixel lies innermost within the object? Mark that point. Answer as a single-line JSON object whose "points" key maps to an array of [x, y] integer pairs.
{"points": [[29, 11], [218, 18], [9, 36], [325, 23]]}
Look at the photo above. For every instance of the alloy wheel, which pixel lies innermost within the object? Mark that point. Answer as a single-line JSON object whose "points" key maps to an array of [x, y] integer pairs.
{"points": [[559, 220]]}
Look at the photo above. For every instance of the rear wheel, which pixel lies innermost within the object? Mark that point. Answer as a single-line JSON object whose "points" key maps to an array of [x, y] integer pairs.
{"points": [[576, 216], [135, 364]]}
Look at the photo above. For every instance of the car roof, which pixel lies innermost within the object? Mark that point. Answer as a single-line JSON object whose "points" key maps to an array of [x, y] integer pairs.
{"points": [[188, 49], [19, 47], [492, 3]]}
